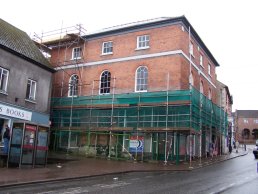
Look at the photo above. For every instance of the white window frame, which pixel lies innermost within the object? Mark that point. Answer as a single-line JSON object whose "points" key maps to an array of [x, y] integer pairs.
{"points": [[76, 51], [143, 42], [107, 48], [144, 78], [4, 76], [71, 88], [32, 86], [191, 49], [209, 69], [201, 60], [102, 90], [210, 94]]}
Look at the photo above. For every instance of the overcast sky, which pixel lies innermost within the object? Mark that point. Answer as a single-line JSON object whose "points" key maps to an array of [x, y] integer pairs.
{"points": [[229, 28]]}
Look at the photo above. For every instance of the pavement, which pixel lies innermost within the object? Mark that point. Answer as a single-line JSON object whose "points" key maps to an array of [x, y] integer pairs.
{"points": [[65, 167]]}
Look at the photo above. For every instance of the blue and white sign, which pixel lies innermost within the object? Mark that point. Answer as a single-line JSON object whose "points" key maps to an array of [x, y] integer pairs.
{"points": [[136, 144], [15, 112]]}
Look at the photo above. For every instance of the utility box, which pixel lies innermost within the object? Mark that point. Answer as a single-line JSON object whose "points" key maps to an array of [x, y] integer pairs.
{"points": [[28, 145]]}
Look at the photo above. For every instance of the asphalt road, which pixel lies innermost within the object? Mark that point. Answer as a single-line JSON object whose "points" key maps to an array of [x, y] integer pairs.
{"points": [[237, 175]]}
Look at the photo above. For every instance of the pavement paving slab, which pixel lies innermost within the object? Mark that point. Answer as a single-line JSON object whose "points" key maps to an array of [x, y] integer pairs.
{"points": [[69, 167]]}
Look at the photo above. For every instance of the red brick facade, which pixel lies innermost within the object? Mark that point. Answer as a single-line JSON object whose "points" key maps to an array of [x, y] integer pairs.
{"points": [[168, 53], [246, 124]]}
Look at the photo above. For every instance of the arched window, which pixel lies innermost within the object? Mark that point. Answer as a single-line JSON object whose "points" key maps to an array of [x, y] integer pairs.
{"points": [[141, 79], [105, 82], [73, 86], [210, 94], [246, 133], [201, 87]]}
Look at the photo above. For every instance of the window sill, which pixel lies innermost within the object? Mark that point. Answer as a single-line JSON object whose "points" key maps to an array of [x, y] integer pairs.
{"points": [[142, 48], [3, 92], [75, 58], [75, 96], [104, 54], [140, 91], [30, 100]]}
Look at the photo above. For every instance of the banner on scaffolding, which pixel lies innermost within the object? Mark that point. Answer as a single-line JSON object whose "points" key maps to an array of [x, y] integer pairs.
{"points": [[136, 144]]}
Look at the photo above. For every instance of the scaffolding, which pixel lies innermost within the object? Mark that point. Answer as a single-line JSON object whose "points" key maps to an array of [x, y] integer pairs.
{"points": [[165, 125]]}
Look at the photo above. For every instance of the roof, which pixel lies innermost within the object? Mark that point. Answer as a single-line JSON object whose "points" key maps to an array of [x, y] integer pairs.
{"points": [[19, 43], [247, 113], [152, 23], [221, 85]]}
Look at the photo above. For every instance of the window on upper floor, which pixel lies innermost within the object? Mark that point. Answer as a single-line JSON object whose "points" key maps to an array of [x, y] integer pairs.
{"points": [[77, 53], [210, 94], [245, 120], [141, 79], [73, 86], [209, 69], [105, 82], [191, 49], [143, 42], [4, 73], [201, 60], [31, 89], [256, 121], [107, 48], [201, 87]]}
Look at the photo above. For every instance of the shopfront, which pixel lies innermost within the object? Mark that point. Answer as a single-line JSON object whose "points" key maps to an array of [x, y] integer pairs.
{"points": [[28, 135]]}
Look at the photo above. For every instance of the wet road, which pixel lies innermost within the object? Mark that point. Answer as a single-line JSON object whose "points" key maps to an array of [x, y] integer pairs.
{"points": [[237, 175]]}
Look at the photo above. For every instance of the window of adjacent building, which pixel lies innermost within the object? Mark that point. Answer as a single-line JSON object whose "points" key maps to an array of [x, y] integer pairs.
{"points": [[256, 121], [143, 41], [201, 60], [107, 48], [245, 120], [31, 89], [3, 79], [73, 86], [209, 69], [141, 79], [105, 82], [77, 53]]}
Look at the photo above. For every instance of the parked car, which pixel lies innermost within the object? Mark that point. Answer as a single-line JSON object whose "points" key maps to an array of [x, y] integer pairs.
{"points": [[255, 150]]}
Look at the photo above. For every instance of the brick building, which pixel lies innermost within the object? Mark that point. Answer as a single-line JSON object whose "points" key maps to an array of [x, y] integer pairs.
{"points": [[144, 90], [246, 126]]}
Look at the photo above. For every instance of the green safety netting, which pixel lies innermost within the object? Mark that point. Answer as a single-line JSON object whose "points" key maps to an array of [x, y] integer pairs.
{"points": [[171, 109]]}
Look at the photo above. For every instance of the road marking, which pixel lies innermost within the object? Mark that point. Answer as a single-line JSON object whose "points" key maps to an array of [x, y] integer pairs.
{"points": [[75, 190], [113, 185]]}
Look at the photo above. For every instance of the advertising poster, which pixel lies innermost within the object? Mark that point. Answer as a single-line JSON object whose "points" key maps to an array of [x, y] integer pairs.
{"points": [[136, 144]]}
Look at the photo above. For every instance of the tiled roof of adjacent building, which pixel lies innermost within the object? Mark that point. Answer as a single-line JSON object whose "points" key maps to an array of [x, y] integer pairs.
{"points": [[19, 43], [247, 113]]}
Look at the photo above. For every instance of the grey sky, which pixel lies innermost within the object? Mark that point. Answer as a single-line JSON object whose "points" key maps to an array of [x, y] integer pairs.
{"points": [[227, 27]]}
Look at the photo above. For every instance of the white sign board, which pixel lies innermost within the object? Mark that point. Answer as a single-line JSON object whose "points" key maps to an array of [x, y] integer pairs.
{"points": [[15, 112]]}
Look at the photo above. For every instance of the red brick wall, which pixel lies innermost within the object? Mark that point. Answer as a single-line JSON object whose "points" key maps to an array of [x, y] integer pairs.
{"points": [[162, 39]]}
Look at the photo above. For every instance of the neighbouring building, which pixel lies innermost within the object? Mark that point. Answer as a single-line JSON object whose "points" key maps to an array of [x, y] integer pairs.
{"points": [[25, 85], [246, 126], [143, 91], [225, 100]]}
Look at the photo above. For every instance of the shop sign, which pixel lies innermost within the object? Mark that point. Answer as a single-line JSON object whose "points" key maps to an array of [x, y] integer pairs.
{"points": [[136, 144], [15, 112]]}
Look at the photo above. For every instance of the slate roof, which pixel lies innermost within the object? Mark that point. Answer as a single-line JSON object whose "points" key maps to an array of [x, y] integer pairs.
{"points": [[19, 43], [247, 113]]}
